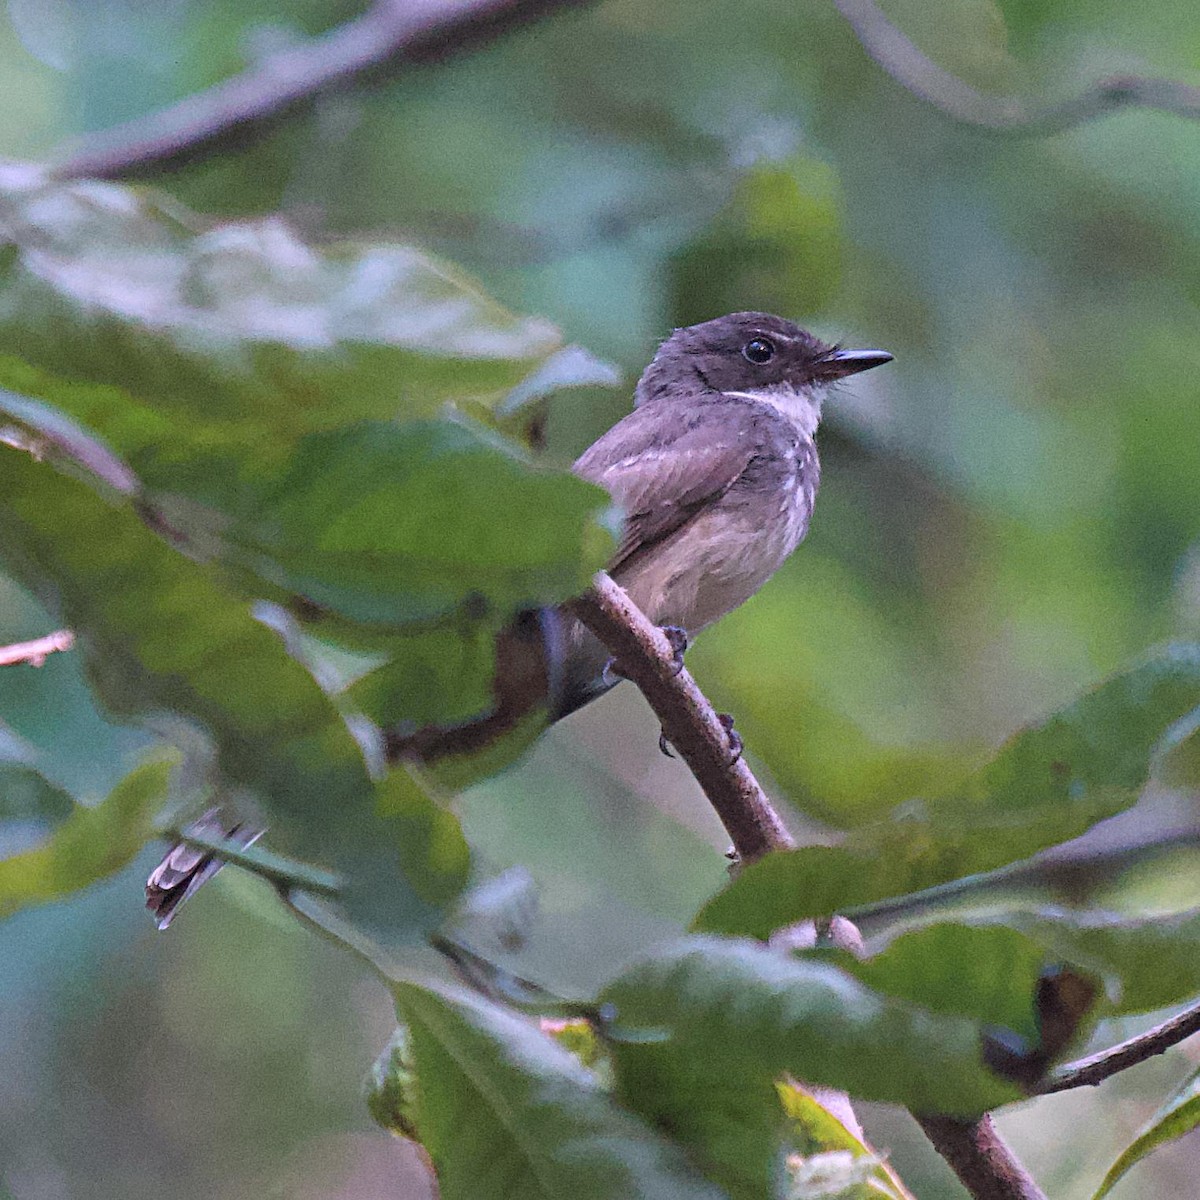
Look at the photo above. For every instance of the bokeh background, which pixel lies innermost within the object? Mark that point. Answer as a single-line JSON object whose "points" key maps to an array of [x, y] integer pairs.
{"points": [[1009, 512]]}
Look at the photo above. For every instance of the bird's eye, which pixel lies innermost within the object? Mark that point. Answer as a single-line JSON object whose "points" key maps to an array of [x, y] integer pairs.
{"points": [[759, 350]]}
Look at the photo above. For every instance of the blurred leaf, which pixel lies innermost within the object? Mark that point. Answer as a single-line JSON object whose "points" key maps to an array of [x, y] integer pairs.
{"points": [[1150, 962], [237, 341], [90, 844], [1180, 1115], [391, 524], [392, 1087], [988, 974], [508, 1114], [27, 797], [701, 1032], [776, 246], [160, 632], [816, 1133], [1049, 783]]}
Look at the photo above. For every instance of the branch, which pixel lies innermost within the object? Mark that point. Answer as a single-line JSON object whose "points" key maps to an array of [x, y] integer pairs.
{"points": [[688, 720], [973, 1148], [978, 1155], [34, 653], [891, 48], [1088, 1072], [390, 34]]}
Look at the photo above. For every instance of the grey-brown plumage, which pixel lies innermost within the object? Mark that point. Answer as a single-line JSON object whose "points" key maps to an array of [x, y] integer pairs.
{"points": [[716, 472]]}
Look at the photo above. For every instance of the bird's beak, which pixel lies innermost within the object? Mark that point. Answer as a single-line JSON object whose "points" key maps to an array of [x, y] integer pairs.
{"points": [[849, 362]]}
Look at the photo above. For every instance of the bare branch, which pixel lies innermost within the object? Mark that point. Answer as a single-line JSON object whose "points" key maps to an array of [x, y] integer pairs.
{"points": [[688, 719], [35, 653], [978, 1155], [1088, 1072], [391, 33], [891, 48]]}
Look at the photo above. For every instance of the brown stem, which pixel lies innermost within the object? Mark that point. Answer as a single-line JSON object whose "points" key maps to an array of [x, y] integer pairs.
{"points": [[389, 34], [978, 1155], [688, 719], [891, 48], [1095, 1069], [35, 653], [982, 1161]]}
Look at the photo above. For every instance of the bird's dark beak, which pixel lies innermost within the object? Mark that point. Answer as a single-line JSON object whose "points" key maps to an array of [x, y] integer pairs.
{"points": [[849, 362]]}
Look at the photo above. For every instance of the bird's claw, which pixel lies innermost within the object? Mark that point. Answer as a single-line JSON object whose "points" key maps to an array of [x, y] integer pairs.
{"points": [[612, 673], [735, 738], [665, 746], [677, 638]]}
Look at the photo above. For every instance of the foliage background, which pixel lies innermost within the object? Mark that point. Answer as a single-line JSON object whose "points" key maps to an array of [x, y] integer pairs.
{"points": [[1008, 513]]}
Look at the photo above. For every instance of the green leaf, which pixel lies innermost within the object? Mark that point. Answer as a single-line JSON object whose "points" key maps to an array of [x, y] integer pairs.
{"points": [[90, 844], [985, 973], [1150, 962], [29, 800], [160, 632], [823, 1144], [391, 524], [195, 349], [508, 1114], [702, 1030], [1180, 1115], [1050, 782]]}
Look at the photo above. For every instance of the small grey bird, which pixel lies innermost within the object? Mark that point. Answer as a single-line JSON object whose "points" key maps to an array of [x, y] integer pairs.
{"points": [[715, 471]]}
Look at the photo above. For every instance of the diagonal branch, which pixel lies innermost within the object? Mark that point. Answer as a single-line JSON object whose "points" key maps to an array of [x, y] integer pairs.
{"points": [[390, 34], [1088, 1072], [689, 722], [974, 1149], [892, 49]]}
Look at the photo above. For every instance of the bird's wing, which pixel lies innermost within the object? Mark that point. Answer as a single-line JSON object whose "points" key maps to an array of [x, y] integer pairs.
{"points": [[662, 476]]}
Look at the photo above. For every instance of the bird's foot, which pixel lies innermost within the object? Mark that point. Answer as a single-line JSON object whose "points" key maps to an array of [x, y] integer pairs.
{"points": [[735, 738], [677, 638]]}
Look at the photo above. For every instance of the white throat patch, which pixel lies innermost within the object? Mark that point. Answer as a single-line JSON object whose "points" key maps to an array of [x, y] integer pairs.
{"points": [[801, 406]]}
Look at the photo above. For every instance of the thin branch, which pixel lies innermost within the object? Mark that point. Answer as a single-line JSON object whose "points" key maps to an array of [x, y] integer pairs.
{"points": [[980, 1158], [390, 34], [973, 1148], [688, 720], [1088, 1072], [891, 48], [35, 653]]}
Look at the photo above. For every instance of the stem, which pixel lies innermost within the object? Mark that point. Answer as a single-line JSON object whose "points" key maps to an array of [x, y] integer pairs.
{"points": [[1088, 1072], [688, 719], [914, 71], [980, 1158], [390, 34]]}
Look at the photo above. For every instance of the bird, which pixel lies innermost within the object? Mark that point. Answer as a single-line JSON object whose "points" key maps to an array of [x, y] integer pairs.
{"points": [[715, 471]]}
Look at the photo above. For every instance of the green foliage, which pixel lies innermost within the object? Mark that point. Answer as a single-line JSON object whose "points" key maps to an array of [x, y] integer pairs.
{"points": [[1049, 783], [90, 844], [828, 1154], [505, 1112], [232, 411], [702, 1030]]}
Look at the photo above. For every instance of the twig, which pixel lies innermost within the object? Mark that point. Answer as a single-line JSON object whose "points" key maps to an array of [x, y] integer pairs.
{"points": [[388, 34], [978, 1155], [688, 719], [1095, 1069], [973, 1148], [279, 871], [35, 653], [891, 48]]}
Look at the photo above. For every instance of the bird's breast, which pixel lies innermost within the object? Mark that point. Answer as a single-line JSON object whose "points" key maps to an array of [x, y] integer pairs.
{"points": [[730, 549]]}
